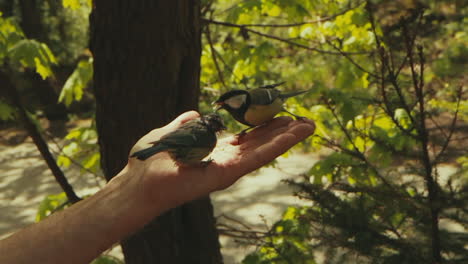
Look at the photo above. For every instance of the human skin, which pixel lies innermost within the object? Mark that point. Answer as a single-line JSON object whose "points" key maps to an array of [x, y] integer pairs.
{"points": [[145, 189]]}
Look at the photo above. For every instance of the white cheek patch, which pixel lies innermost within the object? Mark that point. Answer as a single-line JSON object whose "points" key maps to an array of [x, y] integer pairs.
{"points": [[236, 101], [269, 95]]}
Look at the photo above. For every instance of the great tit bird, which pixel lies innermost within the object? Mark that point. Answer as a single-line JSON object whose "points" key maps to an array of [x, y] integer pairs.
{"points": [[257, 106], [188, 144]]}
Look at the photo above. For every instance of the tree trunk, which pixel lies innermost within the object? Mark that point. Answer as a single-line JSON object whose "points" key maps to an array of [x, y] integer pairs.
{"points": [[147, 67]]}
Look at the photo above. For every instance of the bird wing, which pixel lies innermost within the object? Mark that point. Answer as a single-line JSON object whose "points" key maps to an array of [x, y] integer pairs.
{"points": [[285, 96], [263, 96], [189, 135]]}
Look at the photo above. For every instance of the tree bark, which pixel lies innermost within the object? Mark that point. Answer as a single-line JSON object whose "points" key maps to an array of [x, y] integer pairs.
{"points": [[146, 72]]}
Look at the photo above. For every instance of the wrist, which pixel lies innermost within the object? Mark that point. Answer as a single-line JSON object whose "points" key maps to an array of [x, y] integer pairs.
{"points": [[131, 208]]}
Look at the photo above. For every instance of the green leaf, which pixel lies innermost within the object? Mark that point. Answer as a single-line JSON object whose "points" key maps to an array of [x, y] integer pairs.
{"points": [[33, 54], [92, 161], [73, 88], [10, 34], [7, 112], [50, 204], [271, 9], [107, 260], [63, 161], [403, 118], [72, 4], [253, 258]]}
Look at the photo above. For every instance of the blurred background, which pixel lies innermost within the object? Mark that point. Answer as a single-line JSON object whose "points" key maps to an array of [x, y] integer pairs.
{"points": [[383, 180]]}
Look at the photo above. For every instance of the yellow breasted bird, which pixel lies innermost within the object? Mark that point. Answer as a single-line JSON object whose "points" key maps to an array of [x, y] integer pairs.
{"points": [[257, 106], [188, 144]]}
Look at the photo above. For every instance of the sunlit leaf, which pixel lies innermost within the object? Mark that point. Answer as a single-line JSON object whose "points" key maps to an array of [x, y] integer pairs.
{"points": [[78, 80], [50, 204], [107, 260], [33, 54], [72, 4]]}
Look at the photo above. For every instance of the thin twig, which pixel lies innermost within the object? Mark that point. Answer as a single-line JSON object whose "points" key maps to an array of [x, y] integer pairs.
{"points": [[452, 128], [234, 220], [387, 63], [431, 182], [213, 55], [305, 22], [359, 154], [290, 42], [76, 163], [346, 55]]}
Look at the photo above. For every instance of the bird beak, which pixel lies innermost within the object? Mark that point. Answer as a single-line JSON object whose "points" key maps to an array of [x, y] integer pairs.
{"points": [[217, 105]]}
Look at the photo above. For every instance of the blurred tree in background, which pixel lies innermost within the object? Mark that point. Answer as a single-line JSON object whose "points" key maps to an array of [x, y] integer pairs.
{"points": [[389, 100]]}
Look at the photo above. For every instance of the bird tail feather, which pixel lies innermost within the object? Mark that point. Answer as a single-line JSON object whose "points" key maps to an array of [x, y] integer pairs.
{"points": [[147, 152], [292, 94]]}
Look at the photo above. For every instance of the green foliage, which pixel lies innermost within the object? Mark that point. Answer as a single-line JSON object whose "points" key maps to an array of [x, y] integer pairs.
{"points": [[76, 4], [287, 242], [6, 111], [369, 195], [107, 260], [51, 204], [10, 34], [73, 87], [66, 26], [17, 52], [373, 88], [21, 52], [33, 54], [82, 147]]}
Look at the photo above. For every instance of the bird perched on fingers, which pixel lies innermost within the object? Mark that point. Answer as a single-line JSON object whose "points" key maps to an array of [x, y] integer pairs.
{"points": [[257, 106], [190, 143]]}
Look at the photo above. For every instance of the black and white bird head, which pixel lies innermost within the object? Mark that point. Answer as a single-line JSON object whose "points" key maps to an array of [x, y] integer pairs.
{"points": [[233, 100]]}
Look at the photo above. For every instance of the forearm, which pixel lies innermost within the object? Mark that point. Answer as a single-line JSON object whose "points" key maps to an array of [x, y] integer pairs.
{"points": [[80, 233]]}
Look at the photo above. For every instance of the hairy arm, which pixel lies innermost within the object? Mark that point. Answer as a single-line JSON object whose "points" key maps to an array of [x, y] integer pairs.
{"points": [[144, 190]]}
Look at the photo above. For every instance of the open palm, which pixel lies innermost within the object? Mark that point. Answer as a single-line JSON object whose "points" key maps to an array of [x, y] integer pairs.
{"points": [[232, 158]]}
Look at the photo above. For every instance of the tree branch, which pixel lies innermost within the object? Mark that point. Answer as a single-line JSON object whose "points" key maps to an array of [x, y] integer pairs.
{"points": [[213, 55], [75, 162], [346, 55], [452, 128], [290, 42], [305, 22], [431, 182]]}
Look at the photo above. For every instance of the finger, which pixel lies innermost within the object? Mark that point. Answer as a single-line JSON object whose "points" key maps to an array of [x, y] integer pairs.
{"points": [[259, 131], [282, 142], [272, 125], [263, 139], [266, 149], [268, 135], [302, 129], [262, 154]]}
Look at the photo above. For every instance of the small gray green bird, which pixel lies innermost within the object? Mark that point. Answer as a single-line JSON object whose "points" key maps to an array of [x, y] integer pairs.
{"points": [[257, 106], [188, 144]]}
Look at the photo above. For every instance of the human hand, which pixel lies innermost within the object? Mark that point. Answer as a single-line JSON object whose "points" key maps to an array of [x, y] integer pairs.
{"points": [[163, 184]]}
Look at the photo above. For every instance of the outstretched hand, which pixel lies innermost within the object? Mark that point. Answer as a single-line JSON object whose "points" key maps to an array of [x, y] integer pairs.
{"points": [[232, 158], [144, 190]]}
